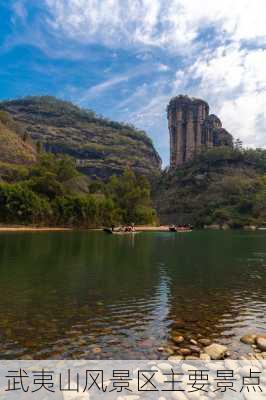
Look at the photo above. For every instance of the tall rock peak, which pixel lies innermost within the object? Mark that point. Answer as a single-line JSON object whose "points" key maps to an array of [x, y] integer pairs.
{"points": [[192, 129]]}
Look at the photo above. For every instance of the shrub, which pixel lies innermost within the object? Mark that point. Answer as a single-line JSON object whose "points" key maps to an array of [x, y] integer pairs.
{"points": [[18, 204]]}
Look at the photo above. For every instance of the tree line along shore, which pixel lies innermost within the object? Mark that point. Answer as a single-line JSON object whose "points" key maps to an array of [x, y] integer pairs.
{"points": [[217, 191], [53, 193]]}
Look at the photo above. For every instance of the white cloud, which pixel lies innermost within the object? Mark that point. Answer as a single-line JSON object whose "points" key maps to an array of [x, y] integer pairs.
{"points": [[150, 115], [171, 23], [233, 81], [246, 118], [20, 10], [220, 45], [163, 67], [146, 109], [116, 80], [120, 23], [229, 68], [96, 90]]}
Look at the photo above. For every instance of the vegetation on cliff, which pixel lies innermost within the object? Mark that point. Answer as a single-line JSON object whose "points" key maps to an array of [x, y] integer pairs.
{"points": [[38, 187], [222, 186], [14, 147], [225, 186], [101, 147], [53, 192]]}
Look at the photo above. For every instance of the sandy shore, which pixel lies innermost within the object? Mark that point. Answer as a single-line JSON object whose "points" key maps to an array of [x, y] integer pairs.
{"points": [[143, 228], [146, 228], [30, 229]]}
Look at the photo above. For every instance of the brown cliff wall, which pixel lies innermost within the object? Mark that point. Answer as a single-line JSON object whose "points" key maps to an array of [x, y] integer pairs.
{"points": [[192, 129]]}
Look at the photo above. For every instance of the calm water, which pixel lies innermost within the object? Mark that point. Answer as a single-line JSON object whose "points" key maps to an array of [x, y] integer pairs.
{"points": [[91, 295]]}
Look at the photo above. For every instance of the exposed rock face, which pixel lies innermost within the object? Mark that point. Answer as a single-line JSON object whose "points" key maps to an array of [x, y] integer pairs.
{"points": [[101, 147], [14, 147], [192, 129]]}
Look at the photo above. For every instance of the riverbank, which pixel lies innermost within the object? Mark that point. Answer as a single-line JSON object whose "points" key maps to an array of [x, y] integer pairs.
{"points": [[19, 228], [31, 229], [138, 228], [182, 347], [147, 228]]}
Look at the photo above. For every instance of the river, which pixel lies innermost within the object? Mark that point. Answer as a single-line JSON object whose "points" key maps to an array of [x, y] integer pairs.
{"points": [[92, 295]]}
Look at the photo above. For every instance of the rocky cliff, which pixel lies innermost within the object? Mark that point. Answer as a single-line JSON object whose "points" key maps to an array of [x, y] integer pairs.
{"points": [[192, 130], [101, 147], [15, 148]]}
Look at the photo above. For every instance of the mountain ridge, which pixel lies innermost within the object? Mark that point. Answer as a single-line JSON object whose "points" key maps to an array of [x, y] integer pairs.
{"points": [[101, 147]]}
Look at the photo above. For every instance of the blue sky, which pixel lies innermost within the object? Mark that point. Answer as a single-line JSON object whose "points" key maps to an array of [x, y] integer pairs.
{"points": [[126, 58]]}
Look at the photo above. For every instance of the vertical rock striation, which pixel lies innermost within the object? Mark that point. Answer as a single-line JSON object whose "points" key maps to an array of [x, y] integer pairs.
{"points": [[192, 129]]}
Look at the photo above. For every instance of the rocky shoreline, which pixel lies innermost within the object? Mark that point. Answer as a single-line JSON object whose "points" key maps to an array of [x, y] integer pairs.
{"points": [[182, 348]]}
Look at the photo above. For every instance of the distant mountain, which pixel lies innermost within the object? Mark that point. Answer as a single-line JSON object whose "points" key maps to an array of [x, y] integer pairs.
{"points": [[101, 147]]}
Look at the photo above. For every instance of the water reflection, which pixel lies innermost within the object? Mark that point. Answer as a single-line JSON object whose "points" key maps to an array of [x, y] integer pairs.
{"points": [[90, 295]]}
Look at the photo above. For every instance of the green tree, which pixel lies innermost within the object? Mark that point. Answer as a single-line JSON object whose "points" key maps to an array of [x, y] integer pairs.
{"points": [[131, 194], [19, 204], [47, 185], [76, 211]]}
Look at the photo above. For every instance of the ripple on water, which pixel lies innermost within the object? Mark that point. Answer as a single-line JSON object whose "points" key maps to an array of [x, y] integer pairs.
{"points": [[72, 302]]}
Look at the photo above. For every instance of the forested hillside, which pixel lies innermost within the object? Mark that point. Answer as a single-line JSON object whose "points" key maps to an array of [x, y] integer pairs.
{"points": [[222, 186]]}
